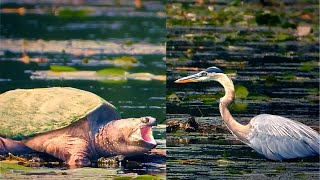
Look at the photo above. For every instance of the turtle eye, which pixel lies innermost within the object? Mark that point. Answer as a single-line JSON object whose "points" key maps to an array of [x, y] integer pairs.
{"points": [[145, 120], [203, 73]]}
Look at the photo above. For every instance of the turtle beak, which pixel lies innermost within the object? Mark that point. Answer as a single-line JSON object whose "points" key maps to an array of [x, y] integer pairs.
{"points": [[146, 130], [191, 78]]}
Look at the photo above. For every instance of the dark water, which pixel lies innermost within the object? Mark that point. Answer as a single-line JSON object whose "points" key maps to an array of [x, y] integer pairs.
{"points": [[280, 76], [35, 35]]}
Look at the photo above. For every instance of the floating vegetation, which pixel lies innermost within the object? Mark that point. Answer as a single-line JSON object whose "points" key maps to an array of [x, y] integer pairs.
{"points": [[128, 59], [241, 92], [111, 72], [239, 106], [56, 68], [270, 80], [308, 66], [73, 13], [283, 37], [7, 166], [280, 169]]}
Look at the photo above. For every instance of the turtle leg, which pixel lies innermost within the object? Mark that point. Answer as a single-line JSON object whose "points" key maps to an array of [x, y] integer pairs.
{"points": [[14, 147], [73, 150]]}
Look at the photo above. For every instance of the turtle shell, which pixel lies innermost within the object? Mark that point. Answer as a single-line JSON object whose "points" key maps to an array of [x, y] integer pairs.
{"points": [[24, 112]]}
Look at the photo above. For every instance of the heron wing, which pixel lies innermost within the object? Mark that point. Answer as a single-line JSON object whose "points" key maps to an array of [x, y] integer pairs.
{"points": [[280, 138]]}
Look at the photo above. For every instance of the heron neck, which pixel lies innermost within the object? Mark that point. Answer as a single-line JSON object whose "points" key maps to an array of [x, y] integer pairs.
{"points": [[236, 128]]}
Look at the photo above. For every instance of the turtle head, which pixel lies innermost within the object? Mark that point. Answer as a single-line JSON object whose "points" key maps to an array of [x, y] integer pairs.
{"points": [[128, 137]]}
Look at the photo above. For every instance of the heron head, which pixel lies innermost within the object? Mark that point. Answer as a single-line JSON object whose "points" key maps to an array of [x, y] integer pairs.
{"points": [[211, 73]]}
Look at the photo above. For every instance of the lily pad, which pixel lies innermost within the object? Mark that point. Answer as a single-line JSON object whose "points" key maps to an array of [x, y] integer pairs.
{"points": [[111, 72], [56, 68]]}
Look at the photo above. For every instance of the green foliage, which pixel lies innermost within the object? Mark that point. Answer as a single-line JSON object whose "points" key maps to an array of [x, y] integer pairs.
{"points": [[123, 178], [147, 177], [239, 106], [57, 68], [241, 91], [280, 169], [289, 76], [182, 58], [270, 80], [8, 166], [283, 37], [128, 59], [129, 43], [111, 72], [69, 13], [85, 60], [308, 66]]}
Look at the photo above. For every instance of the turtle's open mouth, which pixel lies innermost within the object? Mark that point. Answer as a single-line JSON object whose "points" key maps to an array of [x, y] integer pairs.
{"points": [[146, 135]]}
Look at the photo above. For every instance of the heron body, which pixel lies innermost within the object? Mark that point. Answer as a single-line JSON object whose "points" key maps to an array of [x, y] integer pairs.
{"points": [[275, 137]]}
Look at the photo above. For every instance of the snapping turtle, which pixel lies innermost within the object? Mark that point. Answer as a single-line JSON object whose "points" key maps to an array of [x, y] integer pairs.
{"points": [[73, 125]]}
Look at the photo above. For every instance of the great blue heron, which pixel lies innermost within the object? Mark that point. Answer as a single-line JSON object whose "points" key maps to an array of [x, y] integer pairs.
{"points": [[275, 137]]}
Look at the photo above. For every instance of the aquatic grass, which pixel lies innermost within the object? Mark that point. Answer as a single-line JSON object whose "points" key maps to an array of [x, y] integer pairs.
{"points": [[56, 68]]}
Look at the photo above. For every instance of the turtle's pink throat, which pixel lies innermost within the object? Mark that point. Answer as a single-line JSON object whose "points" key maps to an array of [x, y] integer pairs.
{"points": [[146, 134]]}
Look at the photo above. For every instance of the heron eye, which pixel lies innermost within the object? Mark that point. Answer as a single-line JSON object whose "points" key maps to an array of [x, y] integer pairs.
{"points": [[203, 74], [145, 120]]}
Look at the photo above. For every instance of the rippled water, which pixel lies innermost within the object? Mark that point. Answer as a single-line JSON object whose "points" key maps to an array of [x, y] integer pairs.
{"points": [[280, 77], [36, 35]]}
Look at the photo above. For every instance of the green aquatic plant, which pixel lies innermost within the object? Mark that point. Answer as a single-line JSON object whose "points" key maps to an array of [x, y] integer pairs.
{"points": [[241, 92], [9, 166], [280, 37], [128, 59], [85, 60], [289, 76], [300, 175], [56, 68], [308, 66], [182, 58], [111, 72], [129, 43], [280, 169], [239, 106], [147, 177], [70, 13], [123, 178], [270, 80]]}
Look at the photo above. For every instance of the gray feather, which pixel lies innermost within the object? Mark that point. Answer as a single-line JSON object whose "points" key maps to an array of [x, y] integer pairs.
{"points": [[280, 138]]}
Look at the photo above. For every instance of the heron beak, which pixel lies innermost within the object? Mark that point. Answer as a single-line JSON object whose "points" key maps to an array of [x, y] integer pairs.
{"points": [[191, 78]]}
